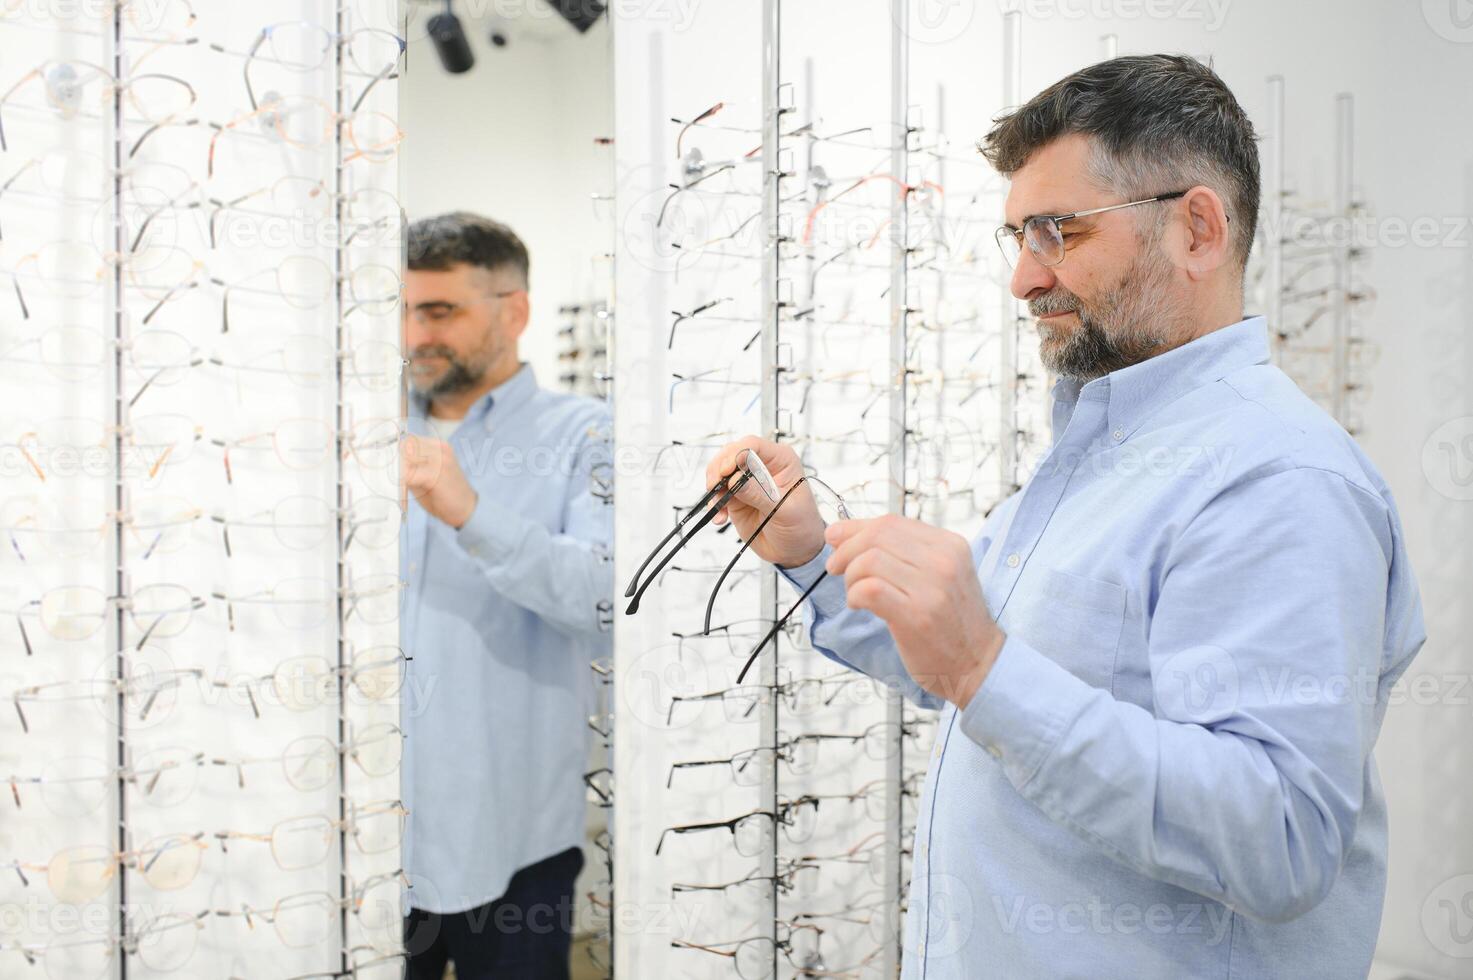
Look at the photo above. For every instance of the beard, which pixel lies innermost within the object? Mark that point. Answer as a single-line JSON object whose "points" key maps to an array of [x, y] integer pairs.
{"points": [[1120, 327], [461, 373]]}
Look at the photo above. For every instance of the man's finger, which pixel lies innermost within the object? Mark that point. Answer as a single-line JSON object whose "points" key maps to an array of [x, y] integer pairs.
{"points": [[723, 464], [848, 539], [878, 596], [853, 537], [916, 533], [736, 509], [840, 531], [753, 495], [879, 563], [919, 561]]}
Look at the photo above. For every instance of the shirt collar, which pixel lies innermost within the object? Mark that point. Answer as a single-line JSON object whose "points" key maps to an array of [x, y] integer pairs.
{"points": [[1134, 393], [496, 403]]}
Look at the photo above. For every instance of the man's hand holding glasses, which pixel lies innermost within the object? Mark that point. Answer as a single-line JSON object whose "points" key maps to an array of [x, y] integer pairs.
{"points": [[922, 582], [794, 534], [920, 579]]}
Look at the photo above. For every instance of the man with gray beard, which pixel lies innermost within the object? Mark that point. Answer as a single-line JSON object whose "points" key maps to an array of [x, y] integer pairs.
{"points": [[1159, 688], [506, 552]]}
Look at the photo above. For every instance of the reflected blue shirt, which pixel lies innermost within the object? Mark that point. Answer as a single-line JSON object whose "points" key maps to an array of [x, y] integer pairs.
{"points": [[1168, 771], [502, 622]]}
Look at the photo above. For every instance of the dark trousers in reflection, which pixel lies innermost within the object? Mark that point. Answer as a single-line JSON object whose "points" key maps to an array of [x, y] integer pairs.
{"points": [[526, 934]]}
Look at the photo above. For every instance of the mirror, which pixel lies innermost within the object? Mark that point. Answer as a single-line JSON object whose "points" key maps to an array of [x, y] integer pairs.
{"points": [[507, 177]]}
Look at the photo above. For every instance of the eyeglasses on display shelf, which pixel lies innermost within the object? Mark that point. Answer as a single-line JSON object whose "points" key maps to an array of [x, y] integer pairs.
{"points": [[145, 149]]}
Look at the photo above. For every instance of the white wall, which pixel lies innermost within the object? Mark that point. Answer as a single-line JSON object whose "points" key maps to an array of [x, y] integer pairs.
{"points": [[513, 139]]}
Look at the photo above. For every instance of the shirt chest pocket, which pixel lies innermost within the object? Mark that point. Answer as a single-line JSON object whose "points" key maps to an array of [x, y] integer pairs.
{"points": [[1074, 621]]}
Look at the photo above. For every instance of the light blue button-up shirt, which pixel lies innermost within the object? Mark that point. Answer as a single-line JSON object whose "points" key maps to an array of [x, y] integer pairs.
{"points": [[502, 621], [1168, 771]]}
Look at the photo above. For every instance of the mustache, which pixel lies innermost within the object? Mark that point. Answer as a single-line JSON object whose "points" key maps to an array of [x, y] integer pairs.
{"points": [[1055, 301], [432, 350]]}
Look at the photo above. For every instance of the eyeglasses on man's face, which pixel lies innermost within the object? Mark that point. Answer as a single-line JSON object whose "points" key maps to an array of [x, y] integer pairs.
{"points": [[447, 313], [1044, 234]]}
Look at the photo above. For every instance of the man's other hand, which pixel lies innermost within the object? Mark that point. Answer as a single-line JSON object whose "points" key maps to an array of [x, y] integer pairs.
{"points": [[429, 471]]}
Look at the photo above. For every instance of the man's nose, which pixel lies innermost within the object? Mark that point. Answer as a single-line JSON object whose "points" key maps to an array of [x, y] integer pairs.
{"points": [[1031, 275]]}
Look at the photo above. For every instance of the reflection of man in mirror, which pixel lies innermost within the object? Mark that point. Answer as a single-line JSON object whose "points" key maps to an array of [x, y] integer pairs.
{"points": [[505, 557]]}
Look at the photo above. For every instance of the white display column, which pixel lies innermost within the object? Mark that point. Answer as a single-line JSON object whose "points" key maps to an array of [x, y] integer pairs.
{"points": [[199, 340]]}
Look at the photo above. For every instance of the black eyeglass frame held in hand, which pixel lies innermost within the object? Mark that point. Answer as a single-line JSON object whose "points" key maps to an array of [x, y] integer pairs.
{"points": [[749, 467]]}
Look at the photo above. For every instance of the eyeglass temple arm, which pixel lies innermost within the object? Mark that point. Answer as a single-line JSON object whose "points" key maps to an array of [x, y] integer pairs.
{"points": [[245, 69], [779, 625], [634, 582], [1116, 207], [633, 606], [670, 777], [385, 73], [711, 602], [680, 137]]}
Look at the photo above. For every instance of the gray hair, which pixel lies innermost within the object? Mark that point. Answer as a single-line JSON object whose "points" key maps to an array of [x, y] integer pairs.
{"points": [[461, 237], [1157, 123]]}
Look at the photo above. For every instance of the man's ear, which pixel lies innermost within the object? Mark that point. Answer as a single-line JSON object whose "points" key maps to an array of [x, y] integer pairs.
{"points": [[1208, 238], [517, 311]]}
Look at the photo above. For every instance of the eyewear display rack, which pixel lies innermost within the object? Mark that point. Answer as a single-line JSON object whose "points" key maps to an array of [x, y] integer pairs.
{"points": [[201, 411], [583, 347], [587, 359], [1308, 270], [810, 259]]}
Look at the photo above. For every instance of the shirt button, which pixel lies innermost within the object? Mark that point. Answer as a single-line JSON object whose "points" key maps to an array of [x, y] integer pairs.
{"points": [[1013, 560], [921, 949], [993, 751], [1118, 434]]}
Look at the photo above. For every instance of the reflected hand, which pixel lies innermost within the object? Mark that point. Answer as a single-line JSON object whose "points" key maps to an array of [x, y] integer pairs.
{"points": [[429, 470]]}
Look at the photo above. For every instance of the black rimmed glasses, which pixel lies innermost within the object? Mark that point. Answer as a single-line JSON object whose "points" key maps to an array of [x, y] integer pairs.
{"points": [[833, 508], [794, 877], [1045, 237], [600, 783], [752, 832], [799, 753], [749, 467]]}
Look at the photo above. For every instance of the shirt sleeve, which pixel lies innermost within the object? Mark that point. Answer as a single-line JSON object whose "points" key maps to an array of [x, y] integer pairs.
{"points": [[566, 578], [1266, 649]]}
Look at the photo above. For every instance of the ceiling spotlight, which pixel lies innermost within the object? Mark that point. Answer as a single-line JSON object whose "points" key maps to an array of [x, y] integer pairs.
{"points": [[451, 44], [582, 14]]}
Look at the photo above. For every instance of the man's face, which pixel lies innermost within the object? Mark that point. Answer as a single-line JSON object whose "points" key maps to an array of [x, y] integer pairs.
{"points": [[1111, 302], [457, 327]]}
